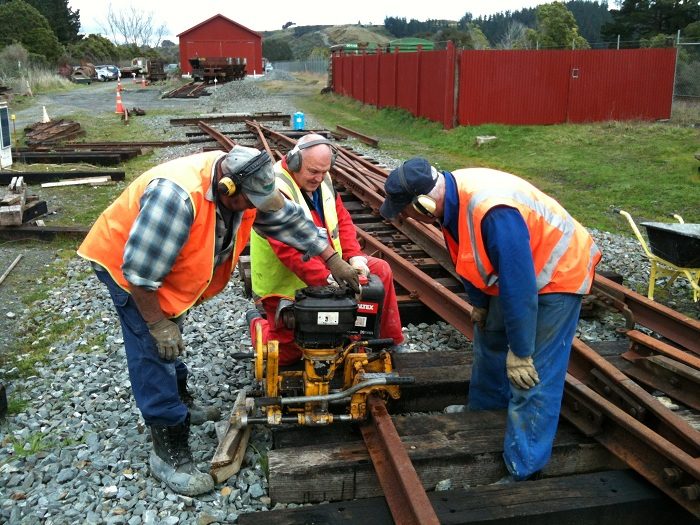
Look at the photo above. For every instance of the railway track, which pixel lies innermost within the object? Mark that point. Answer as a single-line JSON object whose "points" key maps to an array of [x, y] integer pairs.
{"points": [[600, 400]]}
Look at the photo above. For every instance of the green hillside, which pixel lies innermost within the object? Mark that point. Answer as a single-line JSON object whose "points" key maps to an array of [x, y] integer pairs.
{"points": [[305, 40]]}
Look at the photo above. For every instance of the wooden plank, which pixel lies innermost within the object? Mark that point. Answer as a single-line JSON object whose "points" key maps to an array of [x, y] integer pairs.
{"points": [[11, 215], [92, 181], [34, 177], [46, 233], [9, 269], [465, 447], [603, 498]]}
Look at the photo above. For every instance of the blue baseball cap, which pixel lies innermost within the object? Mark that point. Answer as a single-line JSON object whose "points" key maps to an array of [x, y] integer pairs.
{"points": [[414, 177]]}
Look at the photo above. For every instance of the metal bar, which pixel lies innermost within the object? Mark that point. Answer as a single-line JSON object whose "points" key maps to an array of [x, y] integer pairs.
{"points": [[370, 141], [645, 345], [403, 490]]}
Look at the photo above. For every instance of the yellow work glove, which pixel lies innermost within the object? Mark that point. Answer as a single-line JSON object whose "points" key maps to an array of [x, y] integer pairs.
{"points": [[479, 316], [342, 272], [360, 264], [521, 371], [168, 339]]}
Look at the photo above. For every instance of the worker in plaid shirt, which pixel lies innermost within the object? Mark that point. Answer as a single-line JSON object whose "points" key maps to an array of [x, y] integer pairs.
{"points": [[170, 241]]}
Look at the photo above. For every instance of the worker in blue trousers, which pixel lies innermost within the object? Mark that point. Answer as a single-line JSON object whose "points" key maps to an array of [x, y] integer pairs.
{"points": [[525, 264]]}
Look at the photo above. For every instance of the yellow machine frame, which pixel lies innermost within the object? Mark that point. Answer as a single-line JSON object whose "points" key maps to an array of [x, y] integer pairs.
{"points": [[356, 366]]}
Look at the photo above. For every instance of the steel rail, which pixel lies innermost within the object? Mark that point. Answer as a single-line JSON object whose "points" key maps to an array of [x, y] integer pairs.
{"points": [[666, 466], [217, 135], [679, 328], [403, 490]]}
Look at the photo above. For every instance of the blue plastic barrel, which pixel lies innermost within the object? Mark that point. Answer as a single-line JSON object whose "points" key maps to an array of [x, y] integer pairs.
{"points": [[298, 121]]}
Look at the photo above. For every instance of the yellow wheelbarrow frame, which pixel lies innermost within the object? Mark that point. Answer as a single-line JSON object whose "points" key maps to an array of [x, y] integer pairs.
{"points": [[663, 268]]}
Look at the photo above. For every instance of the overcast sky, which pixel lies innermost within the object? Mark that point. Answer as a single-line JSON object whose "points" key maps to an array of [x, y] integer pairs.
{"points": [[267, 15]]}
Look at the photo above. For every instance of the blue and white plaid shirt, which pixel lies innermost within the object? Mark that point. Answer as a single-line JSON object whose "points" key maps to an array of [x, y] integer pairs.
{"points": [[162, 228]]}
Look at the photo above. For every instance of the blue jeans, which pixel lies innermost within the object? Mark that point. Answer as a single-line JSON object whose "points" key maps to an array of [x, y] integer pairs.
{"points": [[153, 380], [533, 414]]}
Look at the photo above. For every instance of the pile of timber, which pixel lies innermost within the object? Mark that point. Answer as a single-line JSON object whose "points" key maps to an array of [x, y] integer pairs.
{"points": [[18, 207], [52, 132]]}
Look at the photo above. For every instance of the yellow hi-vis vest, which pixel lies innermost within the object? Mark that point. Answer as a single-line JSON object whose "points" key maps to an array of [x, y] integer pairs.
{"points": [[563, 252], [193, 277], [268, 275]]}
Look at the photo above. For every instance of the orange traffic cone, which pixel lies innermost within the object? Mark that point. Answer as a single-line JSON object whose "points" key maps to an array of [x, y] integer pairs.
{"points": [[119, 84], [120, 108], [143, 80]]}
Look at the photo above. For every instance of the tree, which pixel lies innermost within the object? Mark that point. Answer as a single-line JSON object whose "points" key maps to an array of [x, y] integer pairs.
{"points": [[513, 37], [637, 19], [22, 23], [133, 27], [277, 50], [64, 22], [556, 28], [94, 48]]}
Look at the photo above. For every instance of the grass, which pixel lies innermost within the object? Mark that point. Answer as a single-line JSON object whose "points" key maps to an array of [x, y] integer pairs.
{"points": [[645, 168]]}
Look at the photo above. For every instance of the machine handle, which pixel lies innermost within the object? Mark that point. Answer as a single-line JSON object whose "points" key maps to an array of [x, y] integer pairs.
{"points": [[401, 380], [387, 341]]}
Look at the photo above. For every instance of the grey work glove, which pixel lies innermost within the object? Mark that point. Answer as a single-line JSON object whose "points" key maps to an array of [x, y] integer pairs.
{"points": [[168, 339], [521, 371], [479, 316], [342, 272]]}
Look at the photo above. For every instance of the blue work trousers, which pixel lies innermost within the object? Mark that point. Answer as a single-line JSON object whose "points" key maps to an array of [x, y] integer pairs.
{"points": [[532, 414], [153, 380]]}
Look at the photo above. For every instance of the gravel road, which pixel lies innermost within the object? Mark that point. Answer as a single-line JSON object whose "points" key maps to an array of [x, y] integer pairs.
{"points": [[77, 451]]}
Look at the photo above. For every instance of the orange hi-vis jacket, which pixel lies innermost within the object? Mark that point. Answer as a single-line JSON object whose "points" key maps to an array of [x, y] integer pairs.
{"points": [[193, 277], [563, 252]]}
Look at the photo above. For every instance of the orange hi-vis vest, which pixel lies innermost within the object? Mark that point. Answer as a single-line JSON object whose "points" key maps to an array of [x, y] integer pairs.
{"points": [[563, 252], [193, 277]]}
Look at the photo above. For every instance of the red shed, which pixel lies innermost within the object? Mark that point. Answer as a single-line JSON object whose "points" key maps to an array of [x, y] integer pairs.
{"points": [[219, 36]]}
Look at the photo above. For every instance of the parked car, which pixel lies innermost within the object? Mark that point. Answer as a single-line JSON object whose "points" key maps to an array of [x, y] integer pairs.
{"points": [[107, 72], [171, 69]]}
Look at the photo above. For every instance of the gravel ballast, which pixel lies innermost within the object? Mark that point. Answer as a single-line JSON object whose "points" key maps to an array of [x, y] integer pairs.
{"points": [[77, 452]]}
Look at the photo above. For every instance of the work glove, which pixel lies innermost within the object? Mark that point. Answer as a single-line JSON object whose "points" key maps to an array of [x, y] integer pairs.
{"points": [[168, 339], [360, 264], [521, 371], [479, 316], [331, 280], [342, 272]]}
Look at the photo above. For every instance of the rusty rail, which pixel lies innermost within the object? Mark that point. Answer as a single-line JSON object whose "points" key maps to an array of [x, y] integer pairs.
{"points": [[403, 490], [599, 399]]}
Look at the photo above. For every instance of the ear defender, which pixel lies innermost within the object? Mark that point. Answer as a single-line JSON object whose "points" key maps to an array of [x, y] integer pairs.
{"points": [[229, 185], [294, 156], [425, 205]]}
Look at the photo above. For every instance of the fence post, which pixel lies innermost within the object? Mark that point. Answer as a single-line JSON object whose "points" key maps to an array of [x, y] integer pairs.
{"points": [[379, 72], [449, 109], [396, 76], [419, 50]]}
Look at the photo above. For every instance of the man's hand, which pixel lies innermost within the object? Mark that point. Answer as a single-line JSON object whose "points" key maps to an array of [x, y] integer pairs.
{"points": [[342, 272], [168, 338], [521, 371], [360, 264], [479, 316]]}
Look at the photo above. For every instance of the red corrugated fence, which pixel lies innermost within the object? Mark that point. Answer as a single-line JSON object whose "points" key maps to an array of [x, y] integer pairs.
{"points": [[513, 86]]}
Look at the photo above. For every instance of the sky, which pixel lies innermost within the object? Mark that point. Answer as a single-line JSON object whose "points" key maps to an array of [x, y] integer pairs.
{"points": [[180, 15]]}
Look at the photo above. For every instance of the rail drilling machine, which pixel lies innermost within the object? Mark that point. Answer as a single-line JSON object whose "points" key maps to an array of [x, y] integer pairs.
{"points": [[343, 363]]}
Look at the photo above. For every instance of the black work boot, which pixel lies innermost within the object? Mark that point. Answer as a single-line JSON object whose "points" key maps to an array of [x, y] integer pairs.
{"points": [[198, 413], [171, 460]]}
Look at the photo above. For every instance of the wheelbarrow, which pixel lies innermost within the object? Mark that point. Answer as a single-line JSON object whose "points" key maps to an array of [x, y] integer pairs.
{"points": [[673, 250]]}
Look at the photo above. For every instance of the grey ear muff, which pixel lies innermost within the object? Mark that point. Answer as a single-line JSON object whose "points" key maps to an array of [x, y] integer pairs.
{"points": [[294, 156], [230, 184]]}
